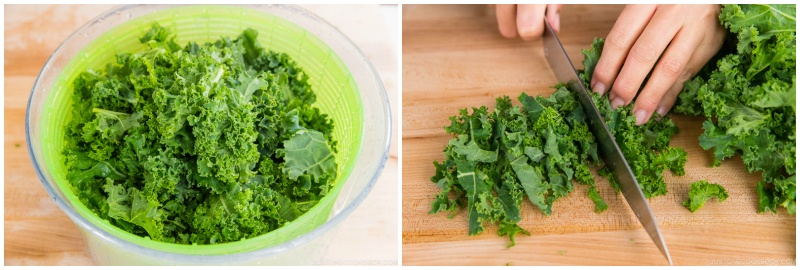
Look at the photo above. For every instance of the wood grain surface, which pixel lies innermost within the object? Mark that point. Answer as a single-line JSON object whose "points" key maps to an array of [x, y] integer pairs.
{"points": [[454, 57], [37, 232]]}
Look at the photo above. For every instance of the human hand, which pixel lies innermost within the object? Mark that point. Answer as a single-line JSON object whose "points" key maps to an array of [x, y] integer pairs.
{"points": [[685, 37], [526, 21]]}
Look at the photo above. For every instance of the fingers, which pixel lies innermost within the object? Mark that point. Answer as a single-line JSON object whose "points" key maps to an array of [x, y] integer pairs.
{"points": [[687, 53], [530, 21], [553, 17], [507, 20], [671, 66], [710, 45], [526, 21], [629, 26], [660, 31], [668, 100]]}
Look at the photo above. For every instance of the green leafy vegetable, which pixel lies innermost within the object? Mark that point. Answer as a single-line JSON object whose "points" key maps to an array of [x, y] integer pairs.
{"points": [[208, 143], [748, 96], [701, 191], [535, 150]]}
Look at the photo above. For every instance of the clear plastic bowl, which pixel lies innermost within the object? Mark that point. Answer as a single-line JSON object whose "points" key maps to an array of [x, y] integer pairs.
{"points": [[348, 89]]}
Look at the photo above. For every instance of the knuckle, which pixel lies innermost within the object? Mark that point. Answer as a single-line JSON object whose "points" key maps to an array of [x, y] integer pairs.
{"points": [[625, 89], [648, 101], [600, 74], [529, 31], [686, 74], [618, 40], [672, 67], [645, 51], [530, 35], [537, 31]]}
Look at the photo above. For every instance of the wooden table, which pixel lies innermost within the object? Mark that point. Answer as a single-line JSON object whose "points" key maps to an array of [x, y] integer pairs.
{"points": [[454, 57], [37, 232]]}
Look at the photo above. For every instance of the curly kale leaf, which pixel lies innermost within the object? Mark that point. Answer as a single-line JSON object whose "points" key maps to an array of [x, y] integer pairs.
{"points": [[748, 97], [201, 144], [702, 191]]}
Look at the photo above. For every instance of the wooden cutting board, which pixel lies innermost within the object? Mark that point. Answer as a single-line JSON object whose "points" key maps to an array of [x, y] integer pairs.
{"points": [[454, 57], [37, 232]]}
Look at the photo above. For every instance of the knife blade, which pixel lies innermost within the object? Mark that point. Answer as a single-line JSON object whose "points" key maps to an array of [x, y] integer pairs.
{"points": [[609, 150]]}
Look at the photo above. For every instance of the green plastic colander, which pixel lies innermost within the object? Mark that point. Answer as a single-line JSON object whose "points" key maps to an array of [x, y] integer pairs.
{"points": [[345, 83]]}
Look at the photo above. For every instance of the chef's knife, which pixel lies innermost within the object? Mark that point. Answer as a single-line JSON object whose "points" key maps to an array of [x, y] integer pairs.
{"points": [[609, 150]]}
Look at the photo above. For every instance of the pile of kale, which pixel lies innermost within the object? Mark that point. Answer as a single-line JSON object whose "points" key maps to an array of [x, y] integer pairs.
{"points": [[206, 143], [536, 150], [748, 97]]}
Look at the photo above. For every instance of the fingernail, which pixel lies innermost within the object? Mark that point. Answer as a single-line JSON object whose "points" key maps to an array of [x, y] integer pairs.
{"points": [[640, 114], [599, 88], [661, 111], [612, 95], [616, 103]]}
